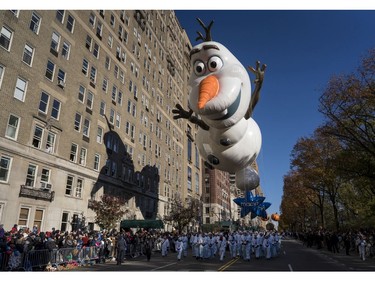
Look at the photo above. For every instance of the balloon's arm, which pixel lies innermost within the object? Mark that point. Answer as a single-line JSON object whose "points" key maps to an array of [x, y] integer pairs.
{"points": [[181, 113], [259, 76]]}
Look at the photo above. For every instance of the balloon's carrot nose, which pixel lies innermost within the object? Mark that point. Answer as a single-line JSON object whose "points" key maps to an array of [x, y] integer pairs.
{"points": [[208, 89]]}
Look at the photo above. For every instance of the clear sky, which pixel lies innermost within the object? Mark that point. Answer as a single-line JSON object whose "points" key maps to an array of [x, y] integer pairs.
{"points": [[303, 49]]}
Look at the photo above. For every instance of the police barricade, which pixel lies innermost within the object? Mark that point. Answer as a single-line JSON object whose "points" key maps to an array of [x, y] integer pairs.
{"points": [[37, 260]]}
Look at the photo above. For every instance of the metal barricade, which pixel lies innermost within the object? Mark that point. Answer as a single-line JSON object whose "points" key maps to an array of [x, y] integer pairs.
{"points": [[37, 260]]}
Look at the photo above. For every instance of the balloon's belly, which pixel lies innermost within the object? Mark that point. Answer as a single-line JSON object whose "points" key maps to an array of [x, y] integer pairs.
{"points": [[230, 157]]}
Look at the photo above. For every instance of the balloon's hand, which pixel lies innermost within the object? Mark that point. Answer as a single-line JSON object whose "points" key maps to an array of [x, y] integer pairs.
{"points": [[258, 71], [181, 113]]}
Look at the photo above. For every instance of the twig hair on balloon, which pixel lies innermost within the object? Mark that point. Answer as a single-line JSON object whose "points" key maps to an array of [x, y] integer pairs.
{"points": [[207, 29]]}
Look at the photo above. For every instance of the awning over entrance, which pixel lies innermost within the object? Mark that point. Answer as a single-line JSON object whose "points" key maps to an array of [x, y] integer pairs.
{"points": [[142, 224]]}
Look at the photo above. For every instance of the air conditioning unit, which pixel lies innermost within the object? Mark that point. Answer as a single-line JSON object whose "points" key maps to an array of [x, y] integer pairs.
{"points": [[45, 186], [61, 84]]}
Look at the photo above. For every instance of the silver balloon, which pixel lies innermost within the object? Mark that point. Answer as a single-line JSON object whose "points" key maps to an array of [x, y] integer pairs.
{"points": [[247, 179]]}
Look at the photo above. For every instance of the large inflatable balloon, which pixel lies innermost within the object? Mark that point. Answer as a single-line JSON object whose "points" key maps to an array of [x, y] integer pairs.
{"points": [[221, 104], [248, 203], [275, 217]]}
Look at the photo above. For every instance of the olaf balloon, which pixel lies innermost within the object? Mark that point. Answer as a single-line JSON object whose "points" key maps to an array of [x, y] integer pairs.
{"points": [[221, 104]]}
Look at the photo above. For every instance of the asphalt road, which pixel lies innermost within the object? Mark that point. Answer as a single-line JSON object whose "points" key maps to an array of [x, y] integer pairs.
{"points": [[294, 257]]}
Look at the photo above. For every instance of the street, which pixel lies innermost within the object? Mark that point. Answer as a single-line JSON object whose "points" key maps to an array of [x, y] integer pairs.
{"points": [[294, 257]]}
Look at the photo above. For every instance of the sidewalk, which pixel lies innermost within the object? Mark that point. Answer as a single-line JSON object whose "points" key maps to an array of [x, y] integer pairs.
{"points": [[352, 262]]}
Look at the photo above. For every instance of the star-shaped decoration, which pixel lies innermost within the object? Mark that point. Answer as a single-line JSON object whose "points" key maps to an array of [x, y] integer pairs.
{"points": [[261, 209], [248, 203]]}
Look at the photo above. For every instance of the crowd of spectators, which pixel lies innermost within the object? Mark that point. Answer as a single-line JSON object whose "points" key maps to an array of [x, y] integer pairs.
{"points": [[352, 242]]}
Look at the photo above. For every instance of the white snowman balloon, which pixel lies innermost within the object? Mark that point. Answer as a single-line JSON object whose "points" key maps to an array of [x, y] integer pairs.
{"points": [[221, 103]]}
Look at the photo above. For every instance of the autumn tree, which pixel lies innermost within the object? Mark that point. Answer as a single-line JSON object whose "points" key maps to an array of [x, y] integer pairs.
{"points": [[108, 211], [348, 104], [182, 213], [316, 159]]}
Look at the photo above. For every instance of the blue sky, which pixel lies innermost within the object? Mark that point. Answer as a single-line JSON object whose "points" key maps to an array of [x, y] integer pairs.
{"points": [[303, 49]]}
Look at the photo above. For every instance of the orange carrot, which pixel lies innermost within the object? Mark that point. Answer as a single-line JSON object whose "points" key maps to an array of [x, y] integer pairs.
{"points": [[209, 88]]}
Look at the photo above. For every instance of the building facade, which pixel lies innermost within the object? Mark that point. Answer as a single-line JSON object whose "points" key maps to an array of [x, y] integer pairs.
{"points": [[86, 109]]}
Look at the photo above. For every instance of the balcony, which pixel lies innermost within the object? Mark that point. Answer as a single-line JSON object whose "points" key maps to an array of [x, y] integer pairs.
{"points": [[36, 193]]}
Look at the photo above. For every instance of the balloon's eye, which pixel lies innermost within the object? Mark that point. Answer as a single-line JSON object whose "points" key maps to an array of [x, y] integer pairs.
{"points": [[199, 68], [214, 63]]}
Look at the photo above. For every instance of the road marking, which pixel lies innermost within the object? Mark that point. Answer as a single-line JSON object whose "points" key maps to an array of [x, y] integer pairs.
{"points": [[163, 266], [228, 264], [290, 267]]}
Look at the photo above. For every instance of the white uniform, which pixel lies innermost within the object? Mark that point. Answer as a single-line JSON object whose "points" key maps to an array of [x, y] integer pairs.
{"points": [[246, 246], [232, 245], [267, 246], [179, 247], [164, 246], [221, 246]]}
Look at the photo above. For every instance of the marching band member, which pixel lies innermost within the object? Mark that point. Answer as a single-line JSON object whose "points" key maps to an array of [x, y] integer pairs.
{"points": [[246, 246], [222, 245], [179, 247], [232, 245], [267, 246]]}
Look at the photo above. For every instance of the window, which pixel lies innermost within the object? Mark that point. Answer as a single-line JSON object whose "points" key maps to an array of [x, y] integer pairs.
{"points": [[37, 138], [55, 113], [45, 175], [105, 85], [12, 127], [50, 144], [2, 69], [61, 75], [28, 52], [119, 98], [110, 41], [86, 127], [93, 74], [85, 67], [79, 188], [65, 50], [99, 136], [107, 62], [20, 90], [55, 41], [92, 19], [118, 120], [31, 175], [23, 219], [99, 29], [90, 100], [96, 50], [35, 23], [82, 156], [64, 221], [15, 13], [111, 116], [102, 108], [43, 104], [73, 152], [38, 218], [4, 168], [112, 20], [77, 122], [88, 42], [114, 93], [96, 162], [81, 93], [69, 185], [70, 23], [60, 15], [115, 71], [50, 70]]}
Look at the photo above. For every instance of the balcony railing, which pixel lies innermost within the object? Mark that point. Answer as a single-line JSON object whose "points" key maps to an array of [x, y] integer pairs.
{"points": [[36, 193]]}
